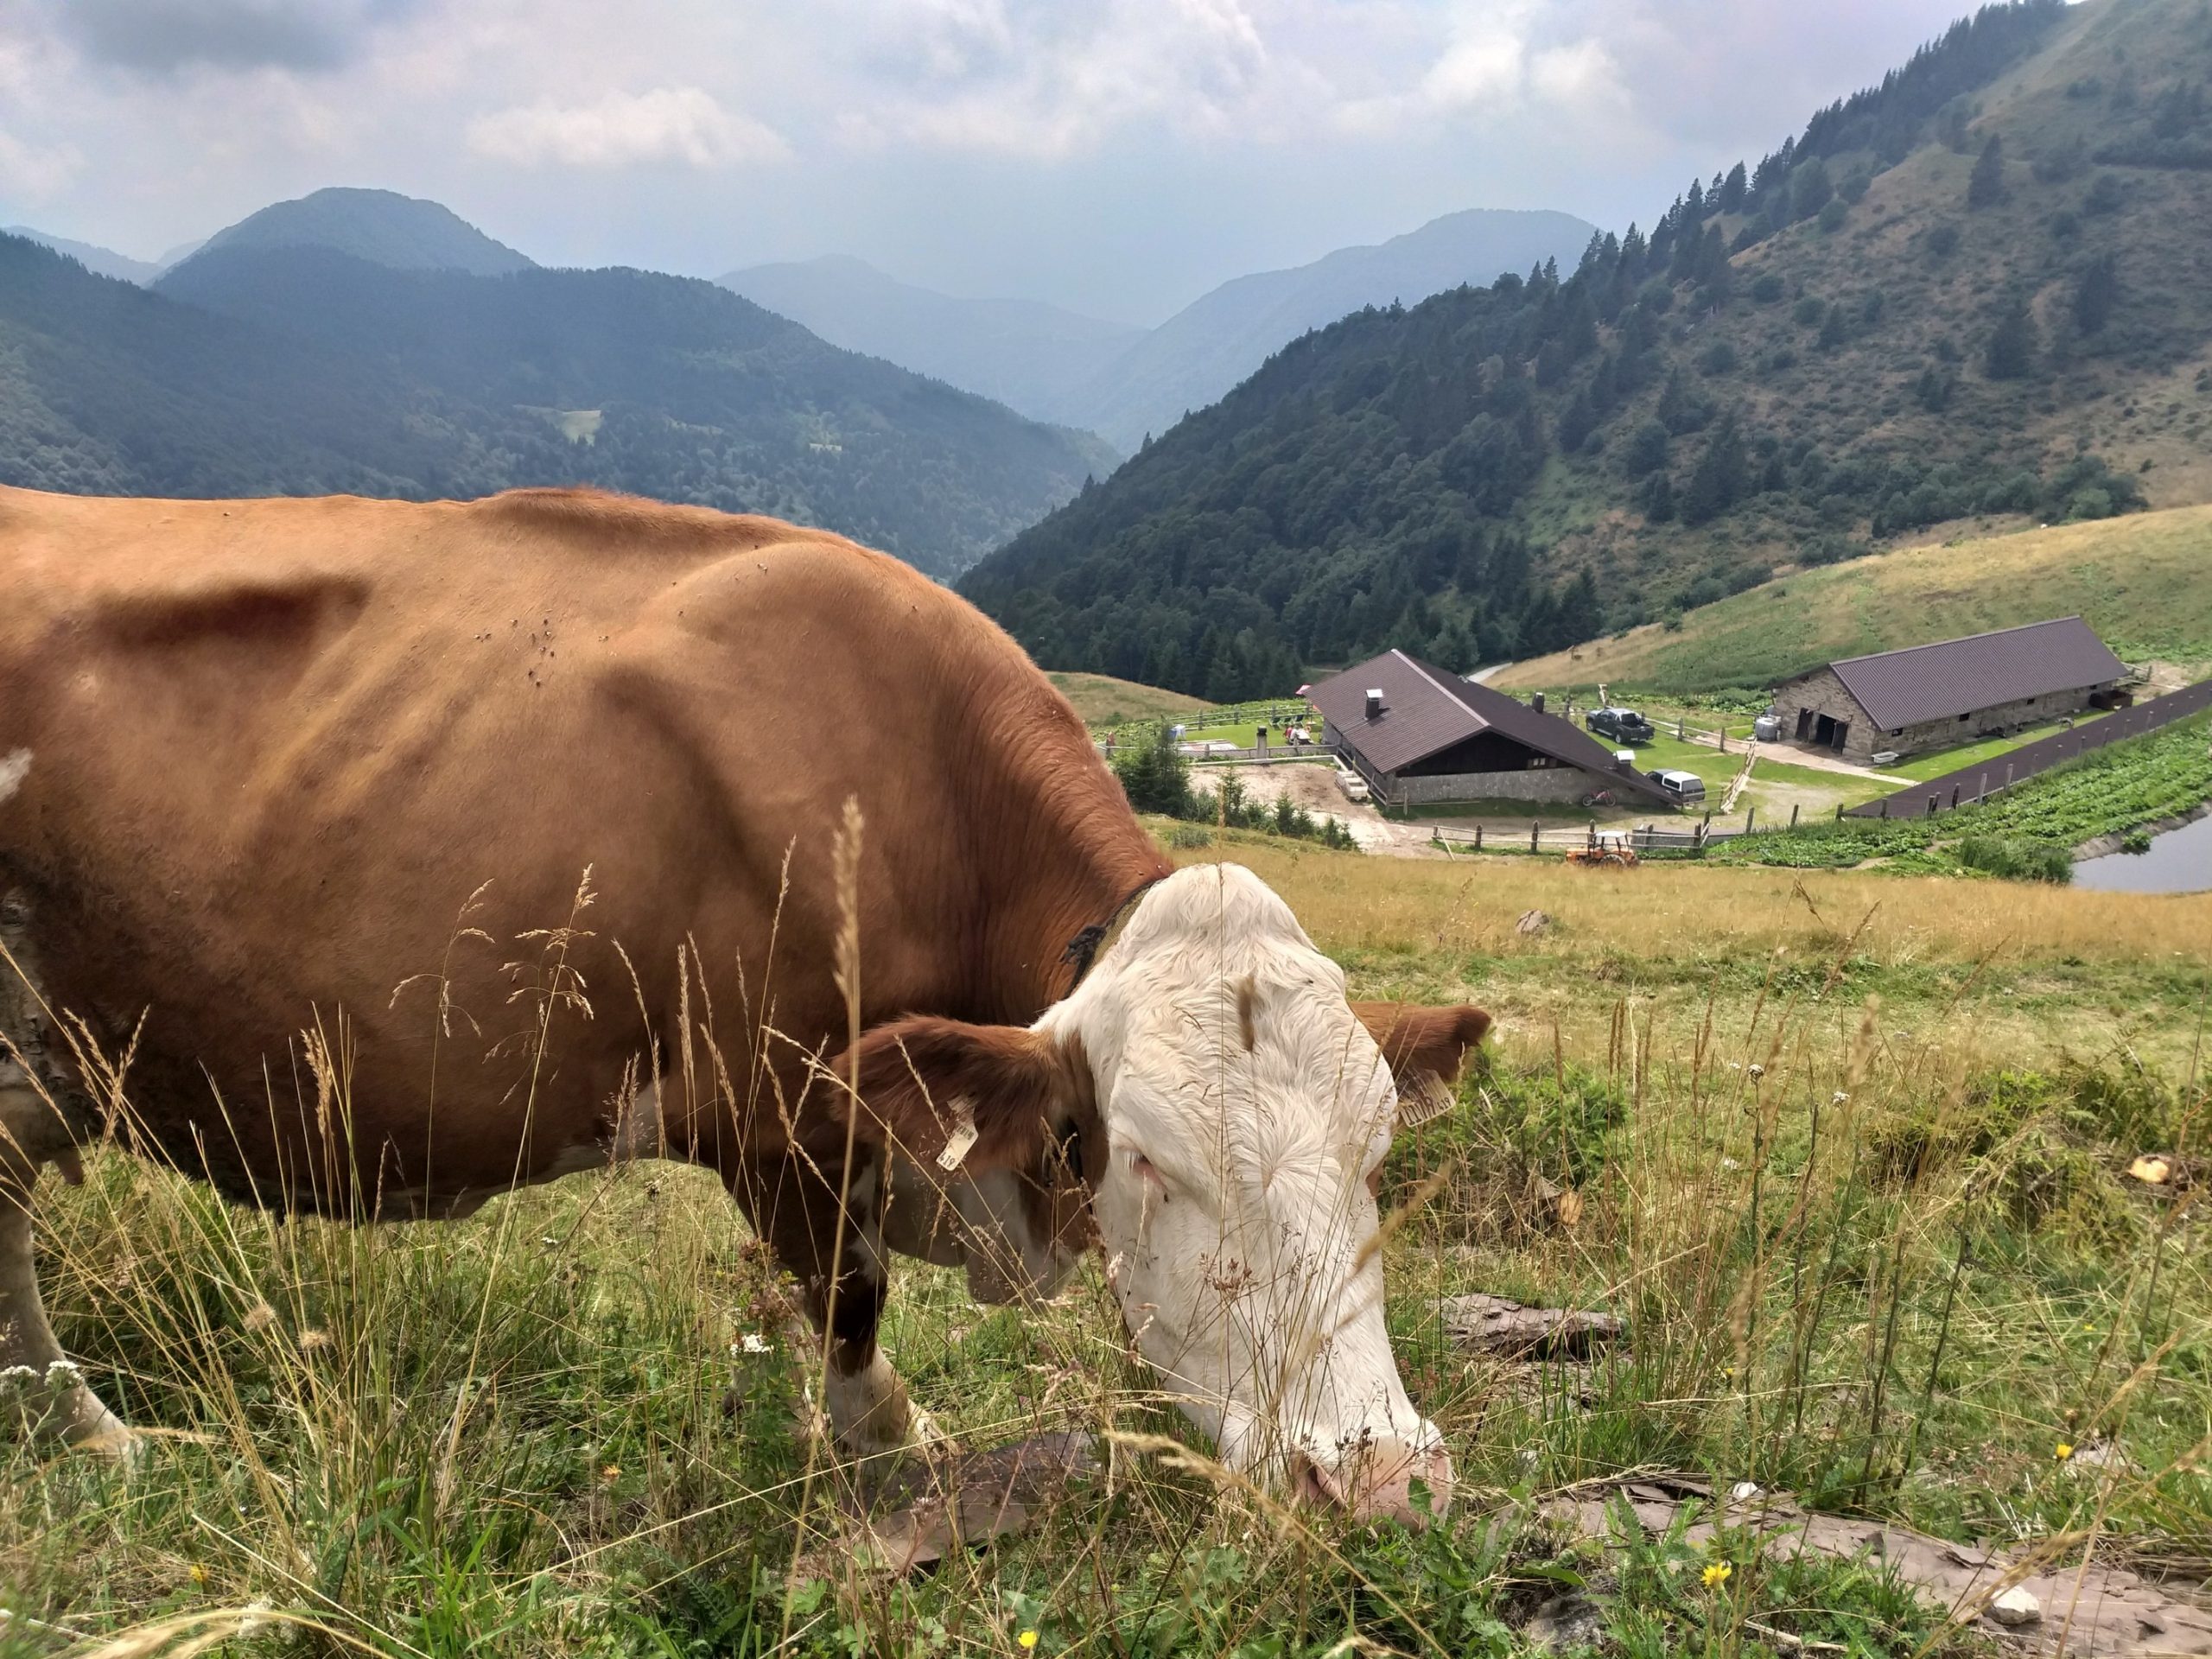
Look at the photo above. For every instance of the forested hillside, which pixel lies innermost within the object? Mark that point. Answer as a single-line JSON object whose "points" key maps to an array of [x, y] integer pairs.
{"points": [[1982, 289], [381, 226], [298, 369]]}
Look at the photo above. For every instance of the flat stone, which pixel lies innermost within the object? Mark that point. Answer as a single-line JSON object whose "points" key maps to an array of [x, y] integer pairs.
{"points": [[2016, 1607]]}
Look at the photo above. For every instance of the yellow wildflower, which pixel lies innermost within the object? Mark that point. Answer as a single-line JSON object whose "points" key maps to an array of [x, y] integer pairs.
{"points": [[611, 1473], [1027, 1638], [1717, 1575], [2065, 1450], [196, 1572]]}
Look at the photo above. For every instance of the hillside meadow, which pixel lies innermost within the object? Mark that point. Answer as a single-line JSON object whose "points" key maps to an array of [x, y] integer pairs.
{"points": [[2143, 582], [1849, 1153]]}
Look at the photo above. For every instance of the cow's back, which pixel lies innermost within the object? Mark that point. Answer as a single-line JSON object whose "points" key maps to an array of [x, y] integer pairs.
{"points": [[344, 763]]}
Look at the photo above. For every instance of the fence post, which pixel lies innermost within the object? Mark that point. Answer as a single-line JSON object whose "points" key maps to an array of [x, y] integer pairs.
{"points": [[1479, 837], [1885, 806], [1751, 817], [1681, 729], [1723, 735], [1706, 823], [1981, 789], [1955, 797], [1839, 812], [2008, 774], [1535, 829], [1793, 813], [1931, 807]]}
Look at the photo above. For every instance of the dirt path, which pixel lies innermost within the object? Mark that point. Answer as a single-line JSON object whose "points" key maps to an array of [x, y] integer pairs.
{"points": [[1314, 787], [1788, 754]]}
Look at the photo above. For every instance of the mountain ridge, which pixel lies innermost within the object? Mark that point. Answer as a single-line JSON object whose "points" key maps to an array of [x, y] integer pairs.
{"points": [[1207, 347], [381, 226], [295, 370], [1022, 352], [1980, 291]]}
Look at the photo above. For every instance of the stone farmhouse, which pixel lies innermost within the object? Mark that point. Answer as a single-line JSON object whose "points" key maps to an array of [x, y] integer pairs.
{"points": [[1955, 692], [1421, 736]]}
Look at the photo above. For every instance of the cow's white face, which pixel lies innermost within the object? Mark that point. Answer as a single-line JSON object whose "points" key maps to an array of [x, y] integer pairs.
{"points": [[1246, 1109]]}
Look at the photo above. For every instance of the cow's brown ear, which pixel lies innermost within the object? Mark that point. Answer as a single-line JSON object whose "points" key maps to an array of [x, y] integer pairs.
{"points": [[1427, 1049], [966, 1098]]}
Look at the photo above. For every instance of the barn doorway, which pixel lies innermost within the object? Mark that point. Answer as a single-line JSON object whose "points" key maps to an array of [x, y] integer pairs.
{"points": [[1828, 732], [1804, 724]]}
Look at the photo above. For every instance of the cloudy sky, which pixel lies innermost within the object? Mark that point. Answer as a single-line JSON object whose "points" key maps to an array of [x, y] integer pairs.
{"points": [[1120, 157]]}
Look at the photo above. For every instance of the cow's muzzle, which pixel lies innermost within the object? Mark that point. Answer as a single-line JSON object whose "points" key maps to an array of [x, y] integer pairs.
{"points": [[1374, 1480]]}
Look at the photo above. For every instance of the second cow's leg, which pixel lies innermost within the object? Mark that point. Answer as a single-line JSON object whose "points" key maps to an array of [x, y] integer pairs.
{"points": [[795, 1205]]}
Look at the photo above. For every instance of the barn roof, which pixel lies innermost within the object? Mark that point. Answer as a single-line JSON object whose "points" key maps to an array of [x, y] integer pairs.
{"points": [[1427, 709], [1957, 676]]}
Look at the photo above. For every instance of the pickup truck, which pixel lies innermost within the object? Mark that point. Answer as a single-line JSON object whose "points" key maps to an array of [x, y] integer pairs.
{"points": [[1622, 725]]}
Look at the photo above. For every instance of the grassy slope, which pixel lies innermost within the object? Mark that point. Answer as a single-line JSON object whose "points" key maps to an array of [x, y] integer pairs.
{"points": [[2143, 582], [1101, 699], [528, 1434]]}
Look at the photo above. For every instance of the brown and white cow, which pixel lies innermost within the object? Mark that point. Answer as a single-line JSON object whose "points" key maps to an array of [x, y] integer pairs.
{"points": [[256, 757]]}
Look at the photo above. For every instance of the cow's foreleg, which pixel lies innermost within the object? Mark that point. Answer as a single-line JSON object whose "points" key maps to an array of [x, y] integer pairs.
{"points": [[798, 1208], [40, 1388]]}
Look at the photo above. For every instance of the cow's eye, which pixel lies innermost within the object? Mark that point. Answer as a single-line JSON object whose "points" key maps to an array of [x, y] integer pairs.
{"points": [[1146, 1170]]}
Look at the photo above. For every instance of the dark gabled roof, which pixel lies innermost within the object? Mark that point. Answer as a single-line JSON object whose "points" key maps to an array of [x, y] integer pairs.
{"points": [[1957, 676], [1427, 709]]}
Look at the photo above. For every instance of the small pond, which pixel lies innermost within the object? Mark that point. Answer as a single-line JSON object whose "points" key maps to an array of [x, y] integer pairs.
{"points": [[2180, 860]]}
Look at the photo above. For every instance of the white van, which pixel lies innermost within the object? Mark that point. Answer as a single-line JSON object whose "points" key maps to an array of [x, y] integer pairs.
{"points": [[1684, 788]]}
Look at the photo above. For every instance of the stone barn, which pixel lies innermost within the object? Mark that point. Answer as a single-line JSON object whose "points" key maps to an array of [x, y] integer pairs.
{"points": [[1420, 735], [1955, 692]]}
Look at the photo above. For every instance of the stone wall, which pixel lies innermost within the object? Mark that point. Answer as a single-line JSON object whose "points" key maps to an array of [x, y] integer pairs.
{"points": [[1535, 784]]}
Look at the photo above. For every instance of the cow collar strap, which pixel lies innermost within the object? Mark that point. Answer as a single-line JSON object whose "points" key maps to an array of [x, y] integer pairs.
{"points": [[1091, 944]]}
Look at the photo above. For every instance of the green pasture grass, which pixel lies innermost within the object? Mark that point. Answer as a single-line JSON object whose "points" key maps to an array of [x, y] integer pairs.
{"points": [[1936, 764], [2138, 579]]}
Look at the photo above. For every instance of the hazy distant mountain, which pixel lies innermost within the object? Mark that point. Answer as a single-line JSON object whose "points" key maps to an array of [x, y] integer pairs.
{"points": [[101, 262], [1023, 352], [1198, 354], [661, 386], [380, 226]]}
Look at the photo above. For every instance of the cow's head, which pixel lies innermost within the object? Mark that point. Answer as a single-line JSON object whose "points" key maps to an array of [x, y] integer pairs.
{"points": [[1229, 1112]]}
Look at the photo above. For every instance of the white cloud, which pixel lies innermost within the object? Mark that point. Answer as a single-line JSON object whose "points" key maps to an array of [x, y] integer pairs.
{"points": [[683, 124], [35, 172]]}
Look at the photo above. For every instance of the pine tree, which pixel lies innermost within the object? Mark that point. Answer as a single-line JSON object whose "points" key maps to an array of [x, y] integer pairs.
{"points": [[1734, 189], [1155, 776], [1835, 328], [1722, 476], [2012, 351], [2095, 294], [1986, 187]]}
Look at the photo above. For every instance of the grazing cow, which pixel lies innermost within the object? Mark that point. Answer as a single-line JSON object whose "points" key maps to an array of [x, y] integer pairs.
{"points": [[293, 788]]}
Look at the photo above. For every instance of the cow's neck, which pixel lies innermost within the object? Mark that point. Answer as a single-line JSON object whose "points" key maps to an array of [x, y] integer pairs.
{"points": [[1072, 853]]}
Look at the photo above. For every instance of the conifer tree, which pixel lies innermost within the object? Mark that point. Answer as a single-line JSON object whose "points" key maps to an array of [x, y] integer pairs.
{"points": [[1986, 185]]}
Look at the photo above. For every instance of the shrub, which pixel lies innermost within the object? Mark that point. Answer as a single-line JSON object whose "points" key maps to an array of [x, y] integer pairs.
{"points": [[1832, 217], [1808, 312], [2018, 860], [1718, 358], [1942, 240], [1766, 287], [1156, 778]]}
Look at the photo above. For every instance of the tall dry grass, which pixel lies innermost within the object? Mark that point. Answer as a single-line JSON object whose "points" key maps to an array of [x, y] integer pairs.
{"points": [[1868, 1254]]}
